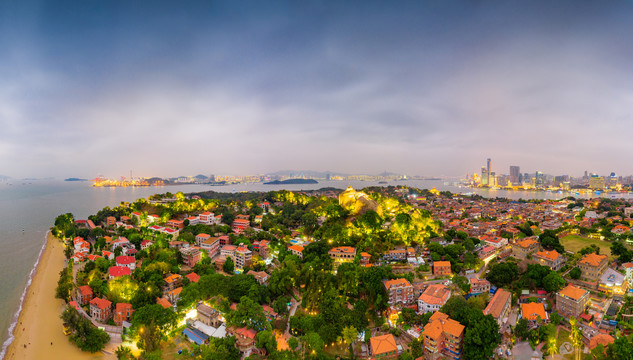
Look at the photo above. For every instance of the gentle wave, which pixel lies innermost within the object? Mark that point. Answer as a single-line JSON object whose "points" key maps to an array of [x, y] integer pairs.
{"points": [[14, 323]]}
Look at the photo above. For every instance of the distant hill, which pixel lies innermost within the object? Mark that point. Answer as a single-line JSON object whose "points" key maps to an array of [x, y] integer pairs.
{"points": [[75, 179], [4, 177], [292, 181]]}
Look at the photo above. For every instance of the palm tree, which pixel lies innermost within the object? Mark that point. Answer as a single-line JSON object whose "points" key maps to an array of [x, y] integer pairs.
{"points": [[349, 335], [123, 353], [575, 336]]}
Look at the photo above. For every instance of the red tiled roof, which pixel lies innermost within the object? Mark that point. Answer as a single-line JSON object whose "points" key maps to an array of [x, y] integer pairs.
{"points": [[101, 303], [116, 271]]}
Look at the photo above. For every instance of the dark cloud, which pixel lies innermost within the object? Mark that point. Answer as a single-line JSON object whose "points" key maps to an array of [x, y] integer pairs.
{"points": [[239, 87]]}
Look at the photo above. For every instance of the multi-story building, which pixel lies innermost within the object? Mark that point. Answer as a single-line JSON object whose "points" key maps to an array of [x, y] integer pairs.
{"points": [[175, 224], [479, 286], [296, 250], [441, 268], [433, 298], [206, 218], [126, 261], [100, 309], [550, 258], [628, 274], [264, 250], [442, 336], [191, 256], [342, 254], [521, 249], [208, 316], [596, 182], [243, 257], [84, 294], [240, 224], [499, 306], [383, 347], [572, 301], [260, 276], [365, 258], [123, 312], [396, 255], [534, 313], [211, 246], [172, 281], [399, 291], [110, 220], [200, 238], [228, 250], [592, 266]]}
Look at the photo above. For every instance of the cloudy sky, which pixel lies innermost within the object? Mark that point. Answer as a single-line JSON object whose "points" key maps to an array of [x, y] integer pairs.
{"points": [[241, 87]]}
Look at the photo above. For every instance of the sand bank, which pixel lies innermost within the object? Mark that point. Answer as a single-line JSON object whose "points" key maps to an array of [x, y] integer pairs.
{"points": [[39, 323]]}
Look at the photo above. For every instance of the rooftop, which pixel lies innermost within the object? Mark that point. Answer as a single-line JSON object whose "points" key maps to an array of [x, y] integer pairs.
{"points": [[383, 344]]}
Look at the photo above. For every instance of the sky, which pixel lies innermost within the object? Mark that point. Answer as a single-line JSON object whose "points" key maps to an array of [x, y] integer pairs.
{"points": [[171, 88]]}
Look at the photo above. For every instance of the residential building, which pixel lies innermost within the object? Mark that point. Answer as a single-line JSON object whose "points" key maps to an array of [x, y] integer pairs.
{"points": [[100, 309], [383, 347], [126, 261], [228, 251], [534, 313], [296, 250], [442, 336], [206, 218], [208, 316], [123, 312], [628, 273], [479, 286], [592, 266], [550, 258], [260, 276], [499, 306], [264, 250], [433, 298], [342, 254], [191, 256], [172, 281], [523, 248], [442, 268], [364, 258], [118, 271], [84, 294], [240, 224], [193, 277], [200, 238], [145, 244], [175, 224], [396, 255], [243, 257], [110, 220], [399, 291], [572, 301]]}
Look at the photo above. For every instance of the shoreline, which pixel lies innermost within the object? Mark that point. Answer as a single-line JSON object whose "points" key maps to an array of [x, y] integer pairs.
{"points": [[7, 343], [37, 332]]}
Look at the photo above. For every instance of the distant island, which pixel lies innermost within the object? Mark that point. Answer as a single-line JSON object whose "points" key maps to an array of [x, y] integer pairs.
{"points": [[292, 181], [75, 179]]}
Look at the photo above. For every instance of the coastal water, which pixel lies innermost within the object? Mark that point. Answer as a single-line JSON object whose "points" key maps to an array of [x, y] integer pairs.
{"points": [[28, 209]]}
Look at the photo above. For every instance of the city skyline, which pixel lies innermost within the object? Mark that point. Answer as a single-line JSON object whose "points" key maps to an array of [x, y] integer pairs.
{"points": [[420, 88]]}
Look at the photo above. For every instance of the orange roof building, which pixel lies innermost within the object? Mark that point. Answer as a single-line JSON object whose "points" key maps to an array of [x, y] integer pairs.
{"points": [[441, 268], [521, 249], [296, 250], [592, 266], [433, 298], [383, 346], [572, 301], [550, 258], [603, 339], [442, 335], [533, 312], [399, 291], [499, 306]]}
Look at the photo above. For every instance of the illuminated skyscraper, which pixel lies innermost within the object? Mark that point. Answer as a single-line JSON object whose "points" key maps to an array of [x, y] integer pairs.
{"points": [[488, 172], [515, 172]]}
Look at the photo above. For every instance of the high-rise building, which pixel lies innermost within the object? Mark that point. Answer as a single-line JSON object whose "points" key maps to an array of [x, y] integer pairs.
{"points": [[484, 176], [488, 168], [596, 182], [515, 172], [540, 181]]}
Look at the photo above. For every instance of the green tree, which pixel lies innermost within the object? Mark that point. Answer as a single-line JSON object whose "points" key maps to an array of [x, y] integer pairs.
{"points": [[575, 273], [266, 340], [621, 349], [293, 343], [481, 338], [349, 336], [249, 314], [313, 342], [228, 266], [462, 282], [522, 330], [123, 353], [503, 274], [553, 282]]}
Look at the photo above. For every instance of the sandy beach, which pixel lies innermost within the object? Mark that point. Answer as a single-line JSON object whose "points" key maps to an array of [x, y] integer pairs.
{"points": [[38, 334]]}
